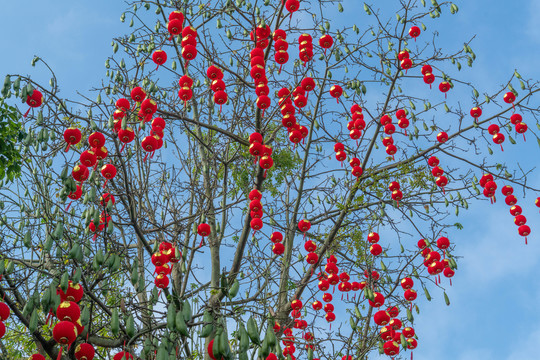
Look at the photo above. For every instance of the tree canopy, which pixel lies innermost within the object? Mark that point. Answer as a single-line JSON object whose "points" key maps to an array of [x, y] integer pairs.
{"points": [[240, 162]]}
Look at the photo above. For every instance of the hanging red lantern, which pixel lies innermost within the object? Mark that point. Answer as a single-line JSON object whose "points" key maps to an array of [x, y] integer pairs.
{"points": [[437, 171], [174, 27], [159, 57], [266, 163], [375, 249], [403, 54], [444, 87], [389, 129], [68, 311], [442, 137], [123, 355], [326, 42], [507, 190], [414, 32], [391, 348], [278, 248], [220, 98], [256, 224], [397, 195], [96, 140], [410, 295], [312, 258], [406, 64], [88, 158], [108, 172], [304, 225], [84, 351], [391, 150], [516, 119], [521, 128], [408, 332], [476, 112], [443, 243], [123, 105], [385, 120], [34, 100], [422, 244], [72, 136], [310, 246], [330, 316], [509, 97], [189, 52], [276, 237], [515, 210], [148, 107], [381, 318], [429, 79], [426, 69], [263, 103], [80, 173], [161, 281], [4, 311], [493, 129], [336, 91], [357, 171], [73, 293], [387, 141], [411, 344], [373, 237], [328, 308], [37, 357], [138, 94], [407, 283], [101, 152], [378, 300], [498, 139], [64, 332]]}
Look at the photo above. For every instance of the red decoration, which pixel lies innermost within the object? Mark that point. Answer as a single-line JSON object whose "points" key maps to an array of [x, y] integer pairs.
{"points": [[64, 332], [84, 351]]}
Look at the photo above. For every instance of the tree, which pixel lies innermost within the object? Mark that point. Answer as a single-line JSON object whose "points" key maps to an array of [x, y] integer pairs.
{"points": [[210, 164]]}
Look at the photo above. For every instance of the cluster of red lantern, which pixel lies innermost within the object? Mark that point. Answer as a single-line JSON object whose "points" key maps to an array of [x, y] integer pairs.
{"points": [[276, 238], [185, 93], [311, 258], [520, 126], [389, 129], [104, 217], [217, 85], [258, 71], [280, 46], [175, 24], [341, 155], [375, 249], [427, 72], [515, 210], [404, 60], [498, 137], [257, 148], [256, 210], [69, 315], [305, 42], [4, 315], [489, 185], [389, 332], [397, 195], [189, 44], [296, 132], [432, 259], [437, 172], [403, 122], [356, 170], [357, 124], [90, 158], [167, 253]]}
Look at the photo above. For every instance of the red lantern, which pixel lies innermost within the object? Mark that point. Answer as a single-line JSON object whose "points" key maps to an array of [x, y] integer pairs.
{"points": [[414, 32], [336, 91], [312, 258], [4, 311], [220, 98], [278, 248], [391, 348], [507, 190], [330, 316], [84, 351], [108, 172], [476, 112], [123, 355], [276, 237], [159, 57], [304, 225], [443, 243], [326, 42], [324, 285], [328, 308], [34, 100], [72, 136], [422, 244], [73, 293], [375, 249], [37, 357], [357, 171], [404, 54], [80, 173], [406, 64], [96, 140], [391, 150], [68, 311], [408, 332], [426, 69], [389, 129], [524, 230], [161, 281], [442, 137], [64, 332], [378, 300], [189, 52], [437, 171], [411, 344], [410, 295], [395, 324], [429, 78], [175, 27], [444, 87], [407, 283], [373, 237], [381, 318], [138, 94], [515, 210], [509, 97], [516, 119]]}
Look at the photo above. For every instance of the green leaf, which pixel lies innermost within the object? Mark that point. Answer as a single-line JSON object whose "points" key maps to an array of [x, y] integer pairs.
{"points": [[446, 299]]}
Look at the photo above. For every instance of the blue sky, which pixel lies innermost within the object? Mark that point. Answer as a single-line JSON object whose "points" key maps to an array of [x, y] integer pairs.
{"points": [[493, 314]]}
